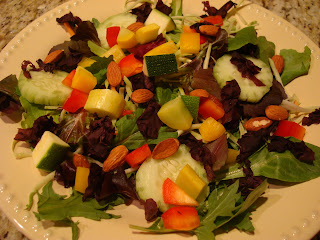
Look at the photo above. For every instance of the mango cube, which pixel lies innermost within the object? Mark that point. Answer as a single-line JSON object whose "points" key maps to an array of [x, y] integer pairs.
{"points": [[86, 62], [105, 102], [190, 43], [117, 53], [147, 33], [126, 39], [190, 182], [165, 48], [83, 80], [81, 181]]}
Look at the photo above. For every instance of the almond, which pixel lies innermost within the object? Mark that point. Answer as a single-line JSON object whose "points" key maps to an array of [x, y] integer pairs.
{"points": [[278, 62], [209, 30], [54, 56], [116, 158], [257, 123], [165, 148], [80, 161], [114, 74], [141, 95], [277, 113], [135, 26]]}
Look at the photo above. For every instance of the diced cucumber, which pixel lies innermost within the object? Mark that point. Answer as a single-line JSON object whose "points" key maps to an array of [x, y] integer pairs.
{"points": [[164, 21], [152, 173], [96, 49], [49, 152], [225, 71], [44, 88], [158, 65], [121, 20]]}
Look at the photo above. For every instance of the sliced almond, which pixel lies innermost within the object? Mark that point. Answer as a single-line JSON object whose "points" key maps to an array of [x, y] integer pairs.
{"points": [[116, 158], [141, 95], [257, 123], [135, 26], [54, 56], [210, 30], [277, 113], [278, 62], [114, 75], [165, 148]]}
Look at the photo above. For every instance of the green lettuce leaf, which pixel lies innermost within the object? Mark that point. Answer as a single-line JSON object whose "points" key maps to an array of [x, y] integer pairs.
{"points": [[295, 64], [266, 49], [243, 37]]}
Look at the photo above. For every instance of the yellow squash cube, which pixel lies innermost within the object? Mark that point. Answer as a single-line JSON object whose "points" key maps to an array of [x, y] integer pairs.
{"points": [[83, 80], [190, 182], [105, 102], [190, 43], [126, 39], [86, 62], [211, 129], [166, 48], [147, 33], [81, 181], [117, 53]]}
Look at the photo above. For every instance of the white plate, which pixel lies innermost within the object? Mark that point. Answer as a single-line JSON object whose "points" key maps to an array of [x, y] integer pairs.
{"points": [[289, 213]]}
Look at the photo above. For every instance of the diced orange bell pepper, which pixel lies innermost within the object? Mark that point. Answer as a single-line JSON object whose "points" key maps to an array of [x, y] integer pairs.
{"points": [[130, 66], [112, 35], [215, 20], [199, 93], [208, 108], [181, 218], [68, 80], [76, 101], [187, 29], [290, 129], [138, 155]]}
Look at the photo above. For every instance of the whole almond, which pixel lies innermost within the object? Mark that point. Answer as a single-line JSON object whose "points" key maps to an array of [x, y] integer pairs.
{"points": [[135, 26], [115, 159], [257, 123], [80, 161], [141, 95], [54, 56], [209, 30], [165, 148], [114, 75], [277, 113], [278, 62]]}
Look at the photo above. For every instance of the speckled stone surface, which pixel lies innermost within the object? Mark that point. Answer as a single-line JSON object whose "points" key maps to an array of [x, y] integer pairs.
{"points": [[16, 15]]}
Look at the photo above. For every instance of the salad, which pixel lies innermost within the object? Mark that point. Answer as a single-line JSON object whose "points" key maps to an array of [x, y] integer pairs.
{"points": [[186, 114]]}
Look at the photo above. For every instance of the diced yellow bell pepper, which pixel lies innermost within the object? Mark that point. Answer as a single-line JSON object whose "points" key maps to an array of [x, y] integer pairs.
{"points": [[105, 102], [126, 39], [190, 42], [232, 156], [166, 48], [211, 129], [117, 53], [147, 33], [83, 80], [81, 181], [86, 62], [190, 182]]}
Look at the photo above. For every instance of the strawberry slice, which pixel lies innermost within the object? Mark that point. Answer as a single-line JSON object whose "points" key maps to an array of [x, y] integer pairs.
{"points": [[173, 194], [181, 218]]}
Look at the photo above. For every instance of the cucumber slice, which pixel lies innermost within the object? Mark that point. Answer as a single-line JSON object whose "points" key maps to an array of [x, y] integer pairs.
{"points": [[162, 20], [225, 71], [44, 88], [49, 152], [152, 173]]}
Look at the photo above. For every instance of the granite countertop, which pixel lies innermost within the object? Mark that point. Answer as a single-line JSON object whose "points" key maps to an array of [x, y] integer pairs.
{"points": [[16, 15]]}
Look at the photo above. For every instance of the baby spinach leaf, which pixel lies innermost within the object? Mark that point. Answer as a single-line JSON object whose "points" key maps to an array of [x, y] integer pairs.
{"points": [[296, 64], [243, 37]]}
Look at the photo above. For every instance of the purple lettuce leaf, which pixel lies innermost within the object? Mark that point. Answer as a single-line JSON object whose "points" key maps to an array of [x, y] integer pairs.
{"points": [[313, 118]]}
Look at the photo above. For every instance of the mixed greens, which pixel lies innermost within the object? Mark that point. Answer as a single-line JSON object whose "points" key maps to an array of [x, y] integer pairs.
{"points": [[186, 114]]}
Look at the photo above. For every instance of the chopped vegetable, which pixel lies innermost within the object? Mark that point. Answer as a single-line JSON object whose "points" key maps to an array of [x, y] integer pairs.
{"points": [[137, 156], [130, 66], [81, 182], [112, 35], [181, 218], [83, 80], [290, 129]]}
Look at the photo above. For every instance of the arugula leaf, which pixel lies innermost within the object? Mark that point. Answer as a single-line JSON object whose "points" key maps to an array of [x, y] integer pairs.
{"points": [[266, 49], [99, 68], [156, 227], [204, 233], [243, 37], [296, 64], [34, 111]]}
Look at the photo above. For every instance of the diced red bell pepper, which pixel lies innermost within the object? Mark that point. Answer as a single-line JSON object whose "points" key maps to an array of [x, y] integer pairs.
{"points": [[138, 155], [290, 129], [130, 66], [215, 20], [68, 79], [112, 35], [126, 112], [181, 218], [76, 101], [208, 108]]}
